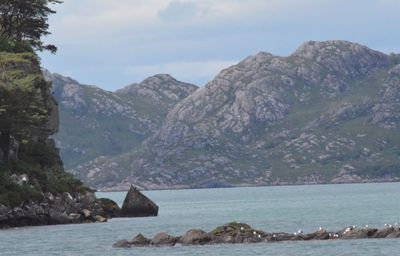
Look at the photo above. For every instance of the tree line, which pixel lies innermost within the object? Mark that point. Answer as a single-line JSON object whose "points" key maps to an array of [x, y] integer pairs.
{"points": [[26, 21]]}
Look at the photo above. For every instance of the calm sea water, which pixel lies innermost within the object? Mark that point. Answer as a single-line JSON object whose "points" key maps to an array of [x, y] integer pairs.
{"points": [[269, 208]]}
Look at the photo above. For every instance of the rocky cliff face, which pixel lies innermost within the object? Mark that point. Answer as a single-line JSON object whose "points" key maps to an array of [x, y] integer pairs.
{"points": [[34, 189], [326, 113], [97, 124], [29, 113]]}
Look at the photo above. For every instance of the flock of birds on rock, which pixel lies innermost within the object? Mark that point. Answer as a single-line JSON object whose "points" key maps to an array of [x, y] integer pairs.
{"points": [[299, 232], [335, 235]]}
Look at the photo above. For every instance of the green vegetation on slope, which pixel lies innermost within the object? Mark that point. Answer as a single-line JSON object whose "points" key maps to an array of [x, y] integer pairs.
{"points": [[29, 164]]}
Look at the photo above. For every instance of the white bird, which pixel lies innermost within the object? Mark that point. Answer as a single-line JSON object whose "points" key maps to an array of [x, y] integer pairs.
{"points": [[300, 231], [320, 228], [295, 233], [366, 226], [241, 228], [386, 225], [259, 236], [353, 227], [254, 233], [273, 235]]}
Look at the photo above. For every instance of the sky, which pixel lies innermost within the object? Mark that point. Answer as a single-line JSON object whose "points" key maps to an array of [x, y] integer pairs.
{"points": [[111, 43]]}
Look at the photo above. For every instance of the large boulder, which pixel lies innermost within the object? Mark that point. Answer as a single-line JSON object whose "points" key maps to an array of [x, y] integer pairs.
{"points": [[138, 205], [383, 233], [122, 244], [163, 239], [195, 236], [353, 233], [140, 241], [319, 235], [109, 207], [235, 232]]}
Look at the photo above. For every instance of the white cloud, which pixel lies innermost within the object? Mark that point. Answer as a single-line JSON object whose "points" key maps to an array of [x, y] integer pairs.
{"points": [[186, 71], [85, 20], [99, 39]]}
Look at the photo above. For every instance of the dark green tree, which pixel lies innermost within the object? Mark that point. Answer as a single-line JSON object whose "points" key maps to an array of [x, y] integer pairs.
{"points": [[26, 21]]}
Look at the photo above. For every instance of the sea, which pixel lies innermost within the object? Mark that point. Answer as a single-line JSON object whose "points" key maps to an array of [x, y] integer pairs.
{"points": [[272, 209]]}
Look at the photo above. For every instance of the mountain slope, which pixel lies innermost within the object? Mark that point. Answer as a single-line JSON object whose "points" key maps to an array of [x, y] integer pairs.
{"points": [[97, 123], [326, 113]]}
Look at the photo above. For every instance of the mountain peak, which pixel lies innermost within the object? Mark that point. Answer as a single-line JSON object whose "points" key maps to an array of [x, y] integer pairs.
{"points": [[312, 49], [161, 77], [49, 76], [160, 85]]}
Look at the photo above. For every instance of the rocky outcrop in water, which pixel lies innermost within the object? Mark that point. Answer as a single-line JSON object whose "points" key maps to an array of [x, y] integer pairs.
{"points": [[240, 233], [57, 209], [138, 205]]}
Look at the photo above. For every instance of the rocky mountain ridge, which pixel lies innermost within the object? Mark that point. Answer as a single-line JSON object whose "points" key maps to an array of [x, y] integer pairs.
{"points": [[326, 113], [97, 123]]}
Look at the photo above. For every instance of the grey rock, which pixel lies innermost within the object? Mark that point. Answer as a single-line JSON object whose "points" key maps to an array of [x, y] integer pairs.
{"points": [[137, 204], [163, 239], [355, 234], [395, 234], [86, 213], [109, 207], [383, 233], [3, 209], [122, 244], [20, 180], [195, 236], [100, 219], [140, 241]]}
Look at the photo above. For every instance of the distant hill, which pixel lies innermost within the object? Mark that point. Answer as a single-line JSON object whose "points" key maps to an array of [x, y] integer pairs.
{"points": [[329, 112], [97, 123]]}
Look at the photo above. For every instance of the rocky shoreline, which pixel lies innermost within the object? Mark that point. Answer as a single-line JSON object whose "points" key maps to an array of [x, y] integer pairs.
{"points": [[59, 209], [81, 208], [239, 233]]}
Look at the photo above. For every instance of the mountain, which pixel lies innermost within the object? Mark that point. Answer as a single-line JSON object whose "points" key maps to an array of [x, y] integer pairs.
{"points": [[96, 123], [328, 113]]}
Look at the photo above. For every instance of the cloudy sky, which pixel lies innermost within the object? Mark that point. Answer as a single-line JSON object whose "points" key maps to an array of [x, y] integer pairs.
{"points": [[112, 43]]}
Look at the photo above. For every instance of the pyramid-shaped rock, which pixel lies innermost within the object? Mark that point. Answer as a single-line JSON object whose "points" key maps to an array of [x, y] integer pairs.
{"points": [[138, 205]]}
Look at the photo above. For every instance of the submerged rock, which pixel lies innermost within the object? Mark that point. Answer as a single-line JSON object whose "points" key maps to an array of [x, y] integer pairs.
{"points": [[138, 205], [122, 244]]}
